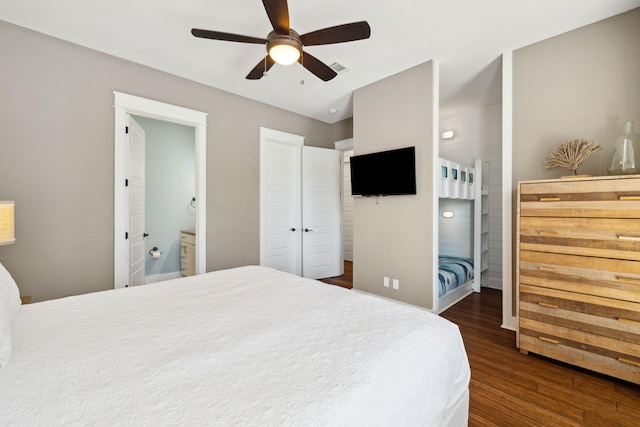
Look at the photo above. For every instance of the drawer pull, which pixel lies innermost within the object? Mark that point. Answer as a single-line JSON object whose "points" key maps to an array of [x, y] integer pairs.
{"points": [[628, 280], [628, 362], [549, 340], [633, 322], [548, 269], [629, 198], [545, 304], [552, 199], [550, 233], [629, 238]]}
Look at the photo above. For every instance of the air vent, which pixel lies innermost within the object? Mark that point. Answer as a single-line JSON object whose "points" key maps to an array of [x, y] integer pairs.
{"points": [[338, 68]]}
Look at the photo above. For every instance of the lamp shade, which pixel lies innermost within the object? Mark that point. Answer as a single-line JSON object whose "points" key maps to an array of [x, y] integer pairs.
{"points": [[284, 54], [7, 226]]}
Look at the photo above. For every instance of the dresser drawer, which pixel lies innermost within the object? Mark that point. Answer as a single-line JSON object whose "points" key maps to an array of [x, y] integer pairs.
{"points": [[581, 329], [582, 312], [619, 366], [609, 278], [188, 238], [599, 237], [585, 199]]}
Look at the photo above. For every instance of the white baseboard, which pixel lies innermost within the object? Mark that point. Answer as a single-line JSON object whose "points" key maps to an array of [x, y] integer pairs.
{"points": [[391, 300], [153, 278]]}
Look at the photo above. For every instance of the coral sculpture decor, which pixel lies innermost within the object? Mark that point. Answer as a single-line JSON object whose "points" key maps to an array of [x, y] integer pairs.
{"points": [[571, 154]]}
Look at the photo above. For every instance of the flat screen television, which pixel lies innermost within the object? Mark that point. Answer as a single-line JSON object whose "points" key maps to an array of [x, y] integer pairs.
{"points": [[386, 173]]}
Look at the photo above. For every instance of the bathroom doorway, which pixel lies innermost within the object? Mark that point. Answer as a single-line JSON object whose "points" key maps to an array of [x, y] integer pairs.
{"points": [[127, 106], [169, 196]]}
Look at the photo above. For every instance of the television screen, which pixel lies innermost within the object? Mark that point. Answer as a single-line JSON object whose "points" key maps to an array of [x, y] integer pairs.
{"points": [[385, 173]]}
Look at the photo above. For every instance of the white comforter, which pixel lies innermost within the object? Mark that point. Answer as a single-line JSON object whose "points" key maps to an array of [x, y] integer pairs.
{"points": [[246, 346]]}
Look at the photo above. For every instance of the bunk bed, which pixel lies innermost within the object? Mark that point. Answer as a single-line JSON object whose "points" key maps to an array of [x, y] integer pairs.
{"points": [[460, 263]]}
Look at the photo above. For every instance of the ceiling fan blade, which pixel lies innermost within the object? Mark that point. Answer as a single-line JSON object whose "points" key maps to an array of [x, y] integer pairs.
{"points": [[338, 34], [263, 66], [217, 35], [317, 67], [278, 13]]}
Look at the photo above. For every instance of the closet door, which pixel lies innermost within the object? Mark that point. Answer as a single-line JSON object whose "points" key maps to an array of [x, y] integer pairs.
{"points": [[280, 205], [321, 213]]}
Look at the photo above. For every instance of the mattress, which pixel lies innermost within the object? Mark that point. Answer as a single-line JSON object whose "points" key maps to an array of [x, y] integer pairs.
{"points": [[453, 272], [245, 346]]}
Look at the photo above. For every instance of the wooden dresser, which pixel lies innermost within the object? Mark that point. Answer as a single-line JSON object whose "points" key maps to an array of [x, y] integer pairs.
{"points": [[578, 272]]}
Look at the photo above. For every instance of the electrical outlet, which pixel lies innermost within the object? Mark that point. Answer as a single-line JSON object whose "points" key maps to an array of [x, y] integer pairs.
{"points": [[386, 282], [396, 284]]}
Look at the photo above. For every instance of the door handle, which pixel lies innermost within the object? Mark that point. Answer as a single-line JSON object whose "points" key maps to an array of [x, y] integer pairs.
{"points": [[306, 230], [292, 229], [145, 235]]}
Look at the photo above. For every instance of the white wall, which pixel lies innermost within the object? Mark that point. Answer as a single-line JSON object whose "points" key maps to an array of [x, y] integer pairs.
{"points": [[455, 235], [169, 187], [478, 135]]}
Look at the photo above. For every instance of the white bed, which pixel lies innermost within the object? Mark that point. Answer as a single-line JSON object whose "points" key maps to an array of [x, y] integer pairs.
{"points": [[245, 346]]}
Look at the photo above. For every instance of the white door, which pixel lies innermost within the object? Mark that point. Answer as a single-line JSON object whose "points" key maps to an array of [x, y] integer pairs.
{"points": [[280, 206], [321, 212], [136, 178]]}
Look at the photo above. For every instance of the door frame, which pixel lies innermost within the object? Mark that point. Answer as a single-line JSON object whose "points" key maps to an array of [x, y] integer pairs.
{"points": [[125, 105]]}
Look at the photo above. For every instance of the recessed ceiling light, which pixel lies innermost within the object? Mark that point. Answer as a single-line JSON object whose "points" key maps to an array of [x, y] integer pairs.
{"points": [[332, 112], [447, 134]]}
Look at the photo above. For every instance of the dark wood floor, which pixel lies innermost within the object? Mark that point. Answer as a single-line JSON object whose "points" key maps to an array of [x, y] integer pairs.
{"points": [[346, 280], [510, 389]]}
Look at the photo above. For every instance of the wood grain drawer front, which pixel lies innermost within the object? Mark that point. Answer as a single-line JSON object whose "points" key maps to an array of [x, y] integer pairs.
{"points": [[599, 237], [594, 199], [188, 238], [569, 337], [625, 314], [619, 367], [597, 317], [596, 330], [608, 278]]}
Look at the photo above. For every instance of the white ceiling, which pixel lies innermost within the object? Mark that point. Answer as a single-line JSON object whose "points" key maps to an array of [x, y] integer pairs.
{"points": [[465, 36]]}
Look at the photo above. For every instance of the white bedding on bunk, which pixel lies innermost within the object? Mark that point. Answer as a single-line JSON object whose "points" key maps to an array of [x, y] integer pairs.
{"points": [[245, 346]]}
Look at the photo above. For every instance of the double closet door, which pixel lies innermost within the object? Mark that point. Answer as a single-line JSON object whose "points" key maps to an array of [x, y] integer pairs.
{"points": [[300, 206]]}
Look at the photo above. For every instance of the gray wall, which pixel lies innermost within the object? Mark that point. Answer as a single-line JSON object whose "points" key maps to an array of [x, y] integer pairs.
{"points": [[170, 183], [581, 84], [393, 236], [57, 160], [343, 130]]}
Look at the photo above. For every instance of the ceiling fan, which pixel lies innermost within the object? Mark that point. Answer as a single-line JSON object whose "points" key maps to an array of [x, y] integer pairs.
{"points": [[285, 46]]}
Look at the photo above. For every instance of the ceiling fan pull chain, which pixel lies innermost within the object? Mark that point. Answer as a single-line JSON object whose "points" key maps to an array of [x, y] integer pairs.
{"points": [[265, 66]]}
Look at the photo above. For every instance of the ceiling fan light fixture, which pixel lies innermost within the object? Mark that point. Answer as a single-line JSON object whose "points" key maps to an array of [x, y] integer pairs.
{"points": [[285, 46], [284, 49], [284, 54]]}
